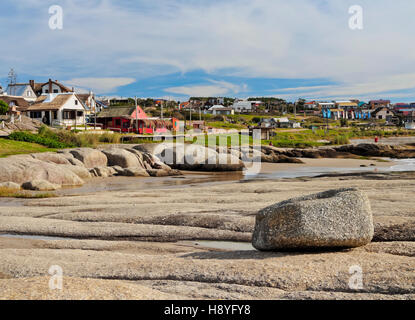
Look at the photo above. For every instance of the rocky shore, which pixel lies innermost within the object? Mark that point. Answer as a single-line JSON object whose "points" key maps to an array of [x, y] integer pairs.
{"points": [[140, 244], [68, 168]]}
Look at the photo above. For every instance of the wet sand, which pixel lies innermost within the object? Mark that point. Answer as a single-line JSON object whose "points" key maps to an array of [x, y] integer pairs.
{"points": [[178, 238]]}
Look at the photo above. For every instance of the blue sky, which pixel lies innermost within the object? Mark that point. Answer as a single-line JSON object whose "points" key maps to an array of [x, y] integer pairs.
{"points": [[238, 48]]}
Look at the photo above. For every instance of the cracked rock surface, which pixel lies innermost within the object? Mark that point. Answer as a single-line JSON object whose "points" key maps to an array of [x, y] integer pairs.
{"points": [[140, 244]]}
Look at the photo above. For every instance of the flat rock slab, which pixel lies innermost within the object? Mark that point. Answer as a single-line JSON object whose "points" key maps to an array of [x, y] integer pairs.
{"points": [[332, 219]]}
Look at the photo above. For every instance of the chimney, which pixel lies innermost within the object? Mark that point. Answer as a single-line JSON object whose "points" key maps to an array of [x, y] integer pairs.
{"points": [[32, 84], [50, 85]]}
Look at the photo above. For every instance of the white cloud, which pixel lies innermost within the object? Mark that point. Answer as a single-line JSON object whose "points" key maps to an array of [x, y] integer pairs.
{"points": [[218, 88], [250, 38], [99, 85], [382, 87]]}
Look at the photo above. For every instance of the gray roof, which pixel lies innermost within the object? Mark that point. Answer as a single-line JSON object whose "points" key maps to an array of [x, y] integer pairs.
{"points": [[17, 90]]}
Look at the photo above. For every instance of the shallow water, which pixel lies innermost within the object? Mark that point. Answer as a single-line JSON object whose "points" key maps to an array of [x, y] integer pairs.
{"points": [[224, 245], [132, 184], [400, 165], [31, 237]]}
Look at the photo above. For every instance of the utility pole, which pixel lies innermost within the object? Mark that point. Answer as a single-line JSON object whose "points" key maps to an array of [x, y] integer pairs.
{"points": [[12, 79], [136, 113]]}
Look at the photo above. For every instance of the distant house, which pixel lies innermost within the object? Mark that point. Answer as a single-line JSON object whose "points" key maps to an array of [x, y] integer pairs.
{"points": [[198, 125], [310, 105], [22, 90], [183, 105], [49, 87], [383, 113], [19, 103], [220, 110], [409, 121], [326, 105], [246, 106], [216, 101], [63, 109], [126, 119], [374, 104], [89, 102], [279, 123], [346, 105]]}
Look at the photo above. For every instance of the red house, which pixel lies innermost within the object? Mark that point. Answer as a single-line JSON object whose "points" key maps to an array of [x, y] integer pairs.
{"points": [[126, 120]]}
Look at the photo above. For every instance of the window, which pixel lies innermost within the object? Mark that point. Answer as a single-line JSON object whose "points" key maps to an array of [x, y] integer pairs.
{"points": [[46, 91], [55, 91], [79, 114], [76, 102], [118, 123], [29, 93], [69, 115], [35, 115]]}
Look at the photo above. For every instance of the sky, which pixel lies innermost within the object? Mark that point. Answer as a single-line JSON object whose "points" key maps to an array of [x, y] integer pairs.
{"points": [[236, 48]]}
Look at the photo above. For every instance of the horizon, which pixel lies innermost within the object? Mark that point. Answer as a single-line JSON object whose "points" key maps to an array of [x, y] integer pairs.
{"points": [[240, 48]]}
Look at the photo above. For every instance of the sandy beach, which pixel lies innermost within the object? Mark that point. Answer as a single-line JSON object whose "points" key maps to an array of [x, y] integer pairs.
{"points": [[150, 244]]}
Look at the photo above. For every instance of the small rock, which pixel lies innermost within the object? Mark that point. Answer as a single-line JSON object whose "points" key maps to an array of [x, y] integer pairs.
{"points": [[40, 185], [135, 172]]}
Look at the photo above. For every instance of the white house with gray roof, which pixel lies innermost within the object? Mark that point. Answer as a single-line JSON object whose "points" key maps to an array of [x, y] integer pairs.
{"points": [[21, 90]]}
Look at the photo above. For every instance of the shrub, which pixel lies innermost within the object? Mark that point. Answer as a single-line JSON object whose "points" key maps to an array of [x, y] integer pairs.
{"points": [[340, 139], [34, 138], [4, 107], [110, 138]]}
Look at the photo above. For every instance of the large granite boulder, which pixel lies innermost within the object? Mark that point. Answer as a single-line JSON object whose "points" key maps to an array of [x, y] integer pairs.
{"points": [[122, 158], [80, 171], [331, 219], [91, 158], [192, 157], [51, 157], [20, 169]]}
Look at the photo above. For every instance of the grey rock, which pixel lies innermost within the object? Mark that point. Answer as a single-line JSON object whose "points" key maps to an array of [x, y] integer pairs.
{"points": [[51, 157], [331, 219], [10, 185], [191, 157], [40, 185], [91, 158], [20, 169], [135, 172], [80, 171], [103, 172], [122, 158]]}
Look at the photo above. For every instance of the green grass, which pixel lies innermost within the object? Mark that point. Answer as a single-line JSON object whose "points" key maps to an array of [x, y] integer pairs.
{"points": [[10, 147], [15, 193], [226, 125]]}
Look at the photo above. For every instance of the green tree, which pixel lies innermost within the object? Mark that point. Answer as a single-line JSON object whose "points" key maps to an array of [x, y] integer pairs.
{"points": [[4, 107]]}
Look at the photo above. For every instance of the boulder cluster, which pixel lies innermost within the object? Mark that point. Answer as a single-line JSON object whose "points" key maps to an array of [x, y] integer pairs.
{"points": [[51, 171]]}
